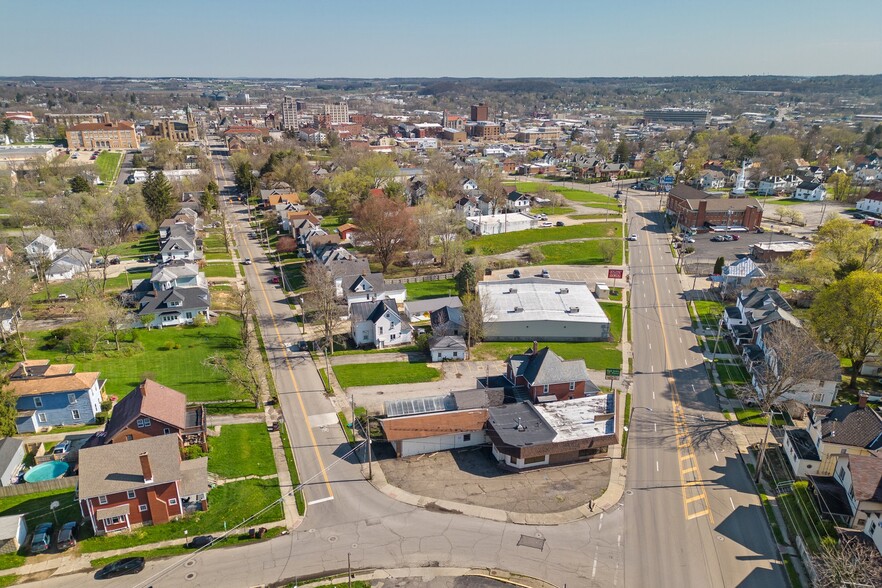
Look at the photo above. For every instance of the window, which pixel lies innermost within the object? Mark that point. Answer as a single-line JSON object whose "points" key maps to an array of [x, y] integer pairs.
{"points": [[545, 389], [41, 416], [189, 315], [142, 508], [75, 414], [71, 398], [172, 501], [840, 475], [392, 337], [143, 423], [531, 460], [113, 521], [166, 431], [130, 494], [572, 386], [130, 437], [456, 354], [38, 402], [467, 437], [102, 500], [381, 330]]}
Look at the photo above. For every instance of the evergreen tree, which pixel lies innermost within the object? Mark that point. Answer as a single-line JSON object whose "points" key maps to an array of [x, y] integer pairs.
{"points": [[157, 193], [208, 200], [718, 266], [466, 279], [79, 184]]}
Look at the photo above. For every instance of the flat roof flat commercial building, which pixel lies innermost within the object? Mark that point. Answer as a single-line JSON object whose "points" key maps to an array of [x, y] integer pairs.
{"points": [[541, 309], [678, 116]]}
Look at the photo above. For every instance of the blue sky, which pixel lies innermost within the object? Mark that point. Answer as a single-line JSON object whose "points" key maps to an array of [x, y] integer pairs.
{"points": [[489, 38]]}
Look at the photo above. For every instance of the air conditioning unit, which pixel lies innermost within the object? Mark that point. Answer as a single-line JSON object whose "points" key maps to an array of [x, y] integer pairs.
{"points": [[564, 291], [512, 290], [518, 309], [573, 310]]}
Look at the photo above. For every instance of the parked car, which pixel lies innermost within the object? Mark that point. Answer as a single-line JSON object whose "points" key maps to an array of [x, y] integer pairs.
{"points": [[246, 261], [42, 538], [860, 215], [544, 274], [728, 237], [516, 273], [67, 536], [543, 217], [559, 224], [546, 224], [717, 238], [122, 567], [62, 448], [689, 240], [114, 261], [632, 237], [734, 238], [303, 346], [200, 541], [252, 235], [274, 280], [63, 296]]}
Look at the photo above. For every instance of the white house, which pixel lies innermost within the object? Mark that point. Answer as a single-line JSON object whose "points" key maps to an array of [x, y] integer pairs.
{"points": [[771, 185], [379, 324], [711, 180], [468, 185], [739, 274], [517, 202], [447, 348], [178, 249], [873, 529], [436, 431], [13, 533], [68, 264], [871, 203], [368, 288], [810, 191], [42, 247]]}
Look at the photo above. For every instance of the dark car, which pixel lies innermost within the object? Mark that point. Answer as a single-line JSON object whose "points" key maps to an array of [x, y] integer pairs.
{"points": [[303, 346], [200, 541], [274, 280], [559, 224], [114, 261], [735, 237], [516, 273], [122, 567], [860, 216], [42, 538], [67, 536]]}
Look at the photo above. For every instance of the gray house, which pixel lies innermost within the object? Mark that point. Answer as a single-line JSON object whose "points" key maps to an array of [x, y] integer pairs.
{"points": [[11, 455]]}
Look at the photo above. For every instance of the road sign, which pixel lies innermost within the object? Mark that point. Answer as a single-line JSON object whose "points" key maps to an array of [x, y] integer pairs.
{"points": [[667, 180], [615, 274], [613, 373]]}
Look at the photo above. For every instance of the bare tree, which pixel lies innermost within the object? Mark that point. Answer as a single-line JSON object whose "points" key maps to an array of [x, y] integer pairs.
{"points": [[15, 291], [791, 359], [850, 562], [320, 300], [387, 225], [119, 320], [474, 311]]}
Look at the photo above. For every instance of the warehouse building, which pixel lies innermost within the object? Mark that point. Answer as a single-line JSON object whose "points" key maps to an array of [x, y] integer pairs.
{"points": [[541, 309]]}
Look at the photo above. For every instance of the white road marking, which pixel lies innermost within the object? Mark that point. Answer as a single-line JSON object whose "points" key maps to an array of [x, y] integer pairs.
{"points": [[680, 338], [318, 500], [653, 394], [619, 541], [655, 427], [650, 346], [656, 466], [594, 567], [732, 502], [716, 457]]}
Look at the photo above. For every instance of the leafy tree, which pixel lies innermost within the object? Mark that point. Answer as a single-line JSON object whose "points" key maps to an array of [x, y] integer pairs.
{"points": [[466, 279], [623, 152], [8, 412], [158, 198], [847, 244], [602, 149], [608, 249], [80, 184], [208, 199], [473, 312], [718, 265], [660, 164], [138, 161], [128, 210], [840, 185], [777, 153], [379, 168], [387, 225], [848, 316]]}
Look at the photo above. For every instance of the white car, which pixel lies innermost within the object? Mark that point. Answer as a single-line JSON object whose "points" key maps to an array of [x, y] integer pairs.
{"points": [[633, 237], [689, 240], [546, 224]]}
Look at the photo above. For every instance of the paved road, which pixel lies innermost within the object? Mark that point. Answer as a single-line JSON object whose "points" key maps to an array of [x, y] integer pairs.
{"points": [[691, 517]]}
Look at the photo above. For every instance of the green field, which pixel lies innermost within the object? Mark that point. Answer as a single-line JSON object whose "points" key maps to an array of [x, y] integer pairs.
{"points": [[595, 216], [592, 199], [116, 283], [552, 210], [732, 375], [106, 165], [231, 504], [241, 450], [709, 312], [219, 270], [433, 289], [493, 244], [180, 369], [146, 244], [582, 253], [386, 373]]}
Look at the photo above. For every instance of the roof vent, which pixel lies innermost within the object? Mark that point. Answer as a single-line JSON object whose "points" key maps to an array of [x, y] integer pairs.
{"points": [[564, 291], [573, 310], [512, 290], [518, 309]]}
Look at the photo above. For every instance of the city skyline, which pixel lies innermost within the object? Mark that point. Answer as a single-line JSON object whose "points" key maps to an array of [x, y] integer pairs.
{"points": [[456, 39]]}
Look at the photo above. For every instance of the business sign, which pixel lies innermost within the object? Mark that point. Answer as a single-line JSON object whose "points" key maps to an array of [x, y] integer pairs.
{"points": [[613, 373], [615, 274], [667, 180]]}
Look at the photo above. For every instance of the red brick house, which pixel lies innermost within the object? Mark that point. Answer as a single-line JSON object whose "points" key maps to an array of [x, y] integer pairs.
{"points": [[694, 209], [144, 482], [151, 410], [547, 377]]}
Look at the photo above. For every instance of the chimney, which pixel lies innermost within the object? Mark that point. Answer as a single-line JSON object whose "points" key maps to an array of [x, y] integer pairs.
{"points": [[862, 399], [535, 347], [143, 389], [145, 467]]}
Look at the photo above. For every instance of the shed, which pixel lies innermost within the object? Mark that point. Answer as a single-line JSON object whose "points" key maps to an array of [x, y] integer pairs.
{"points": [[447, 347], [13, 533]]}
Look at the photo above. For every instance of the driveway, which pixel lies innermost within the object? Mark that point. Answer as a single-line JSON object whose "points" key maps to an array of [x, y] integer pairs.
{"points": [[471, 476]]}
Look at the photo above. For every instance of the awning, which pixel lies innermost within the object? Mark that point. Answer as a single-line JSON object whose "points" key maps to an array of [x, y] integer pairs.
{"points": [[113, 511]]}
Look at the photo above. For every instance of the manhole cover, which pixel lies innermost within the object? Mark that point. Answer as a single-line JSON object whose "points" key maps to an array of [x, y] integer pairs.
{"points": [[354, 545], [190, 576], [190, 563], [332, 539], [629, 492], [311, 531], [534, 542]]}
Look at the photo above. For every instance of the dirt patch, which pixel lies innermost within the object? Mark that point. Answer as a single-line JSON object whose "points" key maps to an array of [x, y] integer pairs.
{"points": [[472, 476]]}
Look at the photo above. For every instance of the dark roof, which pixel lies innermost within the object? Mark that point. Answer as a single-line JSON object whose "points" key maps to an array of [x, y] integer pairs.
{"points": [[519, 425], [834, 500], [808, 185], [191, 299], [803, 445], [381, 308], [478, 398], [375, 282], [866, 477], [849, 424], [547, 367], [152, 400], [688, 193], [763, 297], [372, 310], [446, 314], [8, 448]]}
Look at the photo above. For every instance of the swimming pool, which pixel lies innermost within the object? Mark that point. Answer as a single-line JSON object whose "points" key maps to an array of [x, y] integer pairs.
{"points": [[46, 471]]}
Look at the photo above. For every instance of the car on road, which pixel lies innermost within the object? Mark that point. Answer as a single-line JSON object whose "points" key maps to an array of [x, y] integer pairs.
{"points": [[252, 235], [632, 237], [543, 217], [201, 541], [559, 224], [42, 538], [62, 448], [246, 261], [546, 224], [516, 273], [121, 567], [274, 280], [689, 240], [144, 259], [67, 536], [544, 274]]}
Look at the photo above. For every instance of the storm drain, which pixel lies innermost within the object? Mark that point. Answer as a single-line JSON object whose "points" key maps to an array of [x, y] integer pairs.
{"points": [[534, 542]]}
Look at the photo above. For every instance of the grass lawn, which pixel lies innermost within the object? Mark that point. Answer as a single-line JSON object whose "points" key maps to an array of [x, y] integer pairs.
{"points": [[492, 244], [581, 253], [116, 283], [214, 242], [294, 275], [219, 270], [8, 580], [784, 202], [231, 503], [223, 256], [594, 216], [323, 374], [106, 165], [732, 375], [378, 374], [709, 312], [331, 222], [147, 244], [36, 509], [723, 347], [792, 286], [222, 408], [241, 450], [614, 313], [292, 469], [433, 289], [754, 417], [360, 351], [180, 369], [552, 210]]}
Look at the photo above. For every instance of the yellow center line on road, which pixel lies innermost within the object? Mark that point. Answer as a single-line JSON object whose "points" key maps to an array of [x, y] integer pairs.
{"points": [[303, 411], [693, 488]]}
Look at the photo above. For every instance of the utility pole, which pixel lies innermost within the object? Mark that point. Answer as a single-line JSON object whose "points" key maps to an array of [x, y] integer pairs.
{"points": [[349, 567]]}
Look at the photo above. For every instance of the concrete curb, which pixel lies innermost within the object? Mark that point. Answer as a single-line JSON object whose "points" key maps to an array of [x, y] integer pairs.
{"points": [[509, 578]]}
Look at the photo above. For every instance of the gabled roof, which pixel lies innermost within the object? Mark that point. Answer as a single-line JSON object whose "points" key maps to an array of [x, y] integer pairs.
{"points": [[42, 240], [50, 381], [149, 399], [372, 311], [108, 469], [449, 342], [875, 195], [743, 268], [178, 244], [447, 314], [866, 477], [547, 367], [809, 185], [196, 298], [849, 424], [169, 272]]}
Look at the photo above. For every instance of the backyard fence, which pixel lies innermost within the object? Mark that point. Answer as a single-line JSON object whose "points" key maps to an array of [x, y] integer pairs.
{"points": [[32, 487], [426, 278]]}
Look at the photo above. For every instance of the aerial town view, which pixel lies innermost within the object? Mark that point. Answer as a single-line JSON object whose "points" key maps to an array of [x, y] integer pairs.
{"points": [[398, 303]]}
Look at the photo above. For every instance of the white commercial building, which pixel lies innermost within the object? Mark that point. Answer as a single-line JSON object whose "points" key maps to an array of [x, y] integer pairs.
{"points": [[541, 309], [496, 224]]}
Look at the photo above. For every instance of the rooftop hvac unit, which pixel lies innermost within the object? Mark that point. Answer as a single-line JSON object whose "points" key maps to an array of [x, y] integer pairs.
{"points": [[573, 310], [564, 291], [518, 309], [512, 290]]}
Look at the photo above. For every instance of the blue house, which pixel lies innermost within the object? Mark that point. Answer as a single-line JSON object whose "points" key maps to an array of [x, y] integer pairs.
{"points": [[54, 395]]}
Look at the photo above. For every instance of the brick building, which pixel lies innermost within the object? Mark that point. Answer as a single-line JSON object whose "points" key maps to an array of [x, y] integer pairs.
{"points": [[480, 112], [110, 135], [694, 209], [547, 377]]}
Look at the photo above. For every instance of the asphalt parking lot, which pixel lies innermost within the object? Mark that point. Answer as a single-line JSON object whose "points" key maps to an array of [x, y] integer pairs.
{"points": [[707, 251]]}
